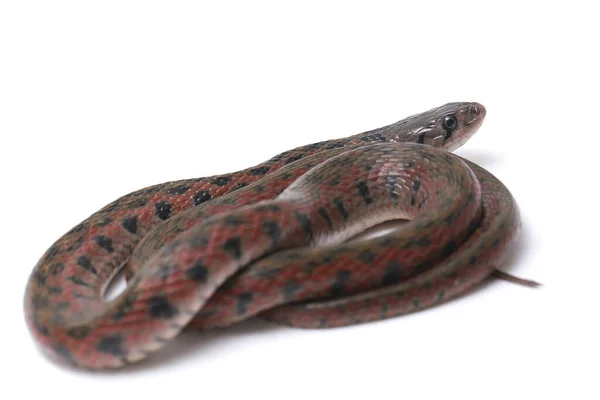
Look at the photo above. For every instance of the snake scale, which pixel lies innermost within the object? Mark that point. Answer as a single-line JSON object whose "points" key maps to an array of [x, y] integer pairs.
{"points": [[278, 241]]}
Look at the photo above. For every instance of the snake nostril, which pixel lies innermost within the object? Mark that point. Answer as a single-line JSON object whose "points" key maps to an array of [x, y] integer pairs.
{"points": [[477, 110]]}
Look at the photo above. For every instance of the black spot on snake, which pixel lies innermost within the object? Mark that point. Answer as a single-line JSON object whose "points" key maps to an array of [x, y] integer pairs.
{"points": [[78, 281], [415, 186], [363, 190], [441, 295], [56, 269], [291, 159], [79, 332], [334, 145], [130, 224], [452, 275], [201, 196], [241, 184], [85, 263], [272, 229], [325, 215], [276, 158], [198, 272], [104, 243], [111, 344], [40, 277], [159, 307], [420, 268], [341, 278], [449, 248], [416, 303], [163, 209], [244, 300], [313, 146], [471, 197], [233, 246], [306, 225], [76, 244], [392, 273], [259, 171], [375, 137], [290, 289], [284, 176], [179, 189], [391, 182], [221, 181], [52, 252], [327, 258], [339, 204]]}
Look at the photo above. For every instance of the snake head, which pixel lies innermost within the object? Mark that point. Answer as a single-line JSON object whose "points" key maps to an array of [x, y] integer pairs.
{"points": [[447, 127]]}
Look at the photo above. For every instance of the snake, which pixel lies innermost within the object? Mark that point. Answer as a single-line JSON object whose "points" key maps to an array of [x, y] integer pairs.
{"points": [[280, 241]]}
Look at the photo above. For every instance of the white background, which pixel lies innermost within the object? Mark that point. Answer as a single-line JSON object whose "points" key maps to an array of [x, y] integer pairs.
{"points": [[100, 98]]}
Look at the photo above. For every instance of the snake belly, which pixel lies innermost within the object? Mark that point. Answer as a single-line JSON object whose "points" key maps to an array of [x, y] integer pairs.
{"points": [[272, 241]]}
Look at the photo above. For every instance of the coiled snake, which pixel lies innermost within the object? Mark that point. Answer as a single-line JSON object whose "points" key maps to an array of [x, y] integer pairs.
{"points": [[273, 241]]}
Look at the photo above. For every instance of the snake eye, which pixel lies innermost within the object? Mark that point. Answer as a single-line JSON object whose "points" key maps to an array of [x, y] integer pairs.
{"points": [[450, 123]]}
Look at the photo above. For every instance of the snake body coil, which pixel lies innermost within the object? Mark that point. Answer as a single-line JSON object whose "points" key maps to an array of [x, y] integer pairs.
{"points": [[273, 241]]}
